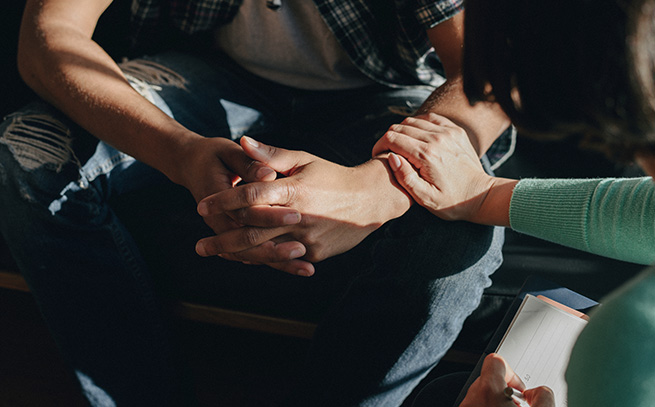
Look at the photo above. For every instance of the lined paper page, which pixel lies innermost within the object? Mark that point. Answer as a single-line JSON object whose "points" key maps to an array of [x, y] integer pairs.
{"points": [[538, 345]]}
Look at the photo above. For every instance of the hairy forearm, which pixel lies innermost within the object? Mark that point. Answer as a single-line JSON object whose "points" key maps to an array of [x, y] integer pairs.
{"points": [[65, 67], [483, 122]]}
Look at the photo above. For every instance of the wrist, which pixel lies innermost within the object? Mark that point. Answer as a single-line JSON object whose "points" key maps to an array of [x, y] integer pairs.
{"points": [[177, 153], [494, 207], [386, 198]]}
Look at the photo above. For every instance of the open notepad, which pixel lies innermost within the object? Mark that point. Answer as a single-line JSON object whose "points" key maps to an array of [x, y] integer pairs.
{"points": [[538, 343]]}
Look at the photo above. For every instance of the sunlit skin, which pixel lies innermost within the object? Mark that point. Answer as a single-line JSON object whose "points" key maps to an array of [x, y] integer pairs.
{"points": [[59, 60], [495, 376], [434, 162]]}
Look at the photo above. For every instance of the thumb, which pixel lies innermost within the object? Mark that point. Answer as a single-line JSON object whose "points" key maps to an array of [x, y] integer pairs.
{"points": [[281, 160], [409, 178]]}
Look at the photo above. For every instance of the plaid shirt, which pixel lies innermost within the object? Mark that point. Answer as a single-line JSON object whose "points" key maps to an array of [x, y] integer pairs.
{"points": [[388, 43]]}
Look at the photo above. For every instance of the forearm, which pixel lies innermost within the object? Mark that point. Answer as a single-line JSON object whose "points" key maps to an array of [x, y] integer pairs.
{"points": [[61, 63], [483, 122], [384, 198], [494, 209]]}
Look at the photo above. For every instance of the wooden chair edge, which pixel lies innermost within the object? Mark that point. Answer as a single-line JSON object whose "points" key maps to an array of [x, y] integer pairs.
{"points": [[204, 313]]}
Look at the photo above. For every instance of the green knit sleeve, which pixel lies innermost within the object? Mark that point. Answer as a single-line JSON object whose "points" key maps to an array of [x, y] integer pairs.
{"points": [[610, 217]]}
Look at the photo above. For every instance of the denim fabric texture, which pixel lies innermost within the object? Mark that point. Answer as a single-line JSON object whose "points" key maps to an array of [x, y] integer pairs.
{"points": [[387, 310]]}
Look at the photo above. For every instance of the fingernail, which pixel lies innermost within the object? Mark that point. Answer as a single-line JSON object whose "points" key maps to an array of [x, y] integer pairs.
{"points": [[304, 273], [200, 249], [251, 141], [291, 218], [203, 209], [394, 162], [295, 253]]}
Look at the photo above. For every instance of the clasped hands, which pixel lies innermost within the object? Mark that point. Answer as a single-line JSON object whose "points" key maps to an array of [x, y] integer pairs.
{"points": [[317, 209]]}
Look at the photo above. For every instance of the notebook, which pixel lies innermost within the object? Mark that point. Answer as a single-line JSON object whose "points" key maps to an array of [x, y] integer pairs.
{"points": [[538, 343]]}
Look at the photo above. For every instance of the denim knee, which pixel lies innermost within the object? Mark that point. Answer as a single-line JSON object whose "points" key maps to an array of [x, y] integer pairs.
{"points": [[423, 247], [40, 163], [33, 143]]}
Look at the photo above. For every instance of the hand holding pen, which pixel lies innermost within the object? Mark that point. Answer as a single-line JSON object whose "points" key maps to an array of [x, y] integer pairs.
{"points": [[516, 396], [499, 386]]}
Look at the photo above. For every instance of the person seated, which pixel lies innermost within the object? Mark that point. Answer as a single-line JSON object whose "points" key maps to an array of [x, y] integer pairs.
{"points": [[323, 78], [594, 74]]}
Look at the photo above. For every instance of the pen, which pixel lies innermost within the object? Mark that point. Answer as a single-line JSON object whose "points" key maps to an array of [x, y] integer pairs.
{"points": [[516, 396]]}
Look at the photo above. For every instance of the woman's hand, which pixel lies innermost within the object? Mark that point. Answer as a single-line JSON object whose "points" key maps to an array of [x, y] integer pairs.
{"points": [[488, 389], [434, 161]]}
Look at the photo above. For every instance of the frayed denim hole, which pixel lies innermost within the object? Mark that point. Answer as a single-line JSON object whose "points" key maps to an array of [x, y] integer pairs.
{"points": [[39, 140]]}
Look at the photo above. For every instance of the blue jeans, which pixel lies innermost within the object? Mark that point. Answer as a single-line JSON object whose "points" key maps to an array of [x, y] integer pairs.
{"points": [[388, 309]]}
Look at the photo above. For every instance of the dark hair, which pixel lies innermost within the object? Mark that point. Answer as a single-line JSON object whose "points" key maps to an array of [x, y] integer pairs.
{"points": [[566, 67]]}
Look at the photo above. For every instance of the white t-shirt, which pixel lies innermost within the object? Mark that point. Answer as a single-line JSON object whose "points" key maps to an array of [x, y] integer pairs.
{"points": [[291, 45]]}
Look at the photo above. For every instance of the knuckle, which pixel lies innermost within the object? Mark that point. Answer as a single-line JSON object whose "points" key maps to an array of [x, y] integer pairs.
{"points": [[385, 141], [411, 120], [251, 236], [408, 179], [396, 128], [424, 151], [290, 192], [393, 134], [251, 194], [434, 118]]}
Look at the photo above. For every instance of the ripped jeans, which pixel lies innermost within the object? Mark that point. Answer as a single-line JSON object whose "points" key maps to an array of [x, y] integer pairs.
{"points": [[388, 309]]}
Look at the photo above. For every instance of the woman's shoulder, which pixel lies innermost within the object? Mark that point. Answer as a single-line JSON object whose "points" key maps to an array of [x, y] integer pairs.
{"points": [[612, 361]]}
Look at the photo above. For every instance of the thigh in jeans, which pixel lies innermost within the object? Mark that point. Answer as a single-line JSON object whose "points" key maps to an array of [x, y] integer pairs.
{"points": [[85, 270], [422, 276]]}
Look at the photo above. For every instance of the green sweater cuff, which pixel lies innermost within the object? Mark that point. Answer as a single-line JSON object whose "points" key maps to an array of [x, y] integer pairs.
{"points": [[610, 217], [553, 210]]}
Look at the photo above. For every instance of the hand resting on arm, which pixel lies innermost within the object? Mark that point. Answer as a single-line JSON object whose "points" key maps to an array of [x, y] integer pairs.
{"points": [[433, 159]]}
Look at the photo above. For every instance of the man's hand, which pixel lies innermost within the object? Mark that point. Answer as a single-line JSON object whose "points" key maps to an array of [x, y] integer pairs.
{"points": [[214, 165], [339, 207], [496, 375]]}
